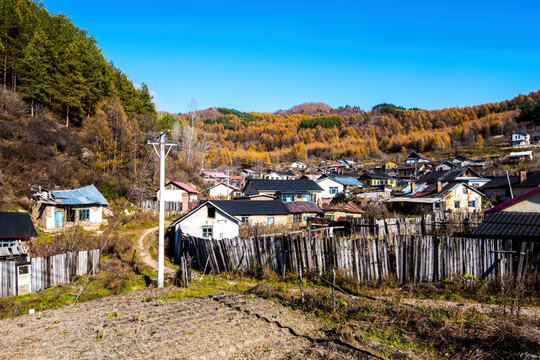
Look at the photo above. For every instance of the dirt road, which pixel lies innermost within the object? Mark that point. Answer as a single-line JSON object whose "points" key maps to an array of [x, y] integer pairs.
{"points": [[141, 326], [145, 256]]}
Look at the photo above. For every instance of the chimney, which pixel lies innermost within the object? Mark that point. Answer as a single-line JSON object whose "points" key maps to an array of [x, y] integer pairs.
{"points": [[439, 186], [413, 186], [522, 176]]}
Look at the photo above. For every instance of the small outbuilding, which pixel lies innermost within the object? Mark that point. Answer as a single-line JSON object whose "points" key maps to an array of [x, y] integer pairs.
{"points": [[15, 228], [58, 209]]}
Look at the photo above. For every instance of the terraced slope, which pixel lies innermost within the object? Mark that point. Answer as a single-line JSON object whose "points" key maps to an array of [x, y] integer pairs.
{"points": [[140, 326]]}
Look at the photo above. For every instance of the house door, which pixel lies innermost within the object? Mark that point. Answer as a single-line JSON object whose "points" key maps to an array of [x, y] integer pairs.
{"points": [[24, 280], [58, 218]]}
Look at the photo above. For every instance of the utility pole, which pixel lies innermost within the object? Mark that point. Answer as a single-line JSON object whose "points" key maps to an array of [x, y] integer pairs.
{"points": [[228, 190], [161, 237]]}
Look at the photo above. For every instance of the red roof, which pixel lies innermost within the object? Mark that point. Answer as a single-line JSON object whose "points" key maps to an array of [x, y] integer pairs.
{"points": [[514, 200], [183, 186]]}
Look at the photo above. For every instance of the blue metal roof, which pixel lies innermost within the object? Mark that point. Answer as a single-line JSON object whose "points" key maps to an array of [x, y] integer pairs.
{"points": [[348, 181], [88, 195]]}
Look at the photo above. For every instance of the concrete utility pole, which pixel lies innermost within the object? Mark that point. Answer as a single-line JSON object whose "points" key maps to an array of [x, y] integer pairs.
{"points": [[161, 239]]}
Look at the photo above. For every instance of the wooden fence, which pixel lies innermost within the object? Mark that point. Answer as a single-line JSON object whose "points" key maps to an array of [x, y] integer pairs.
{"points": [[428, 224], [171, 207], [48, 271], [407, 258]]}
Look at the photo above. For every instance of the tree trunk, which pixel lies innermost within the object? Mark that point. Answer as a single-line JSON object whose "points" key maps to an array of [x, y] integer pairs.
{"points": [[32, 108], [5, 71], [67, 116]]}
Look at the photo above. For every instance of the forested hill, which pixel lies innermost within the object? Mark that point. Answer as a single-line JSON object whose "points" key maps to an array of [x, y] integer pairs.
{"points": [[54, 64], [317, 131]]}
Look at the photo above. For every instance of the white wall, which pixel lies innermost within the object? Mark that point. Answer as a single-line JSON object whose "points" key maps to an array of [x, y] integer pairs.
{"points": [[220, 191], [171, 195], [223, 226], [326, 184]]}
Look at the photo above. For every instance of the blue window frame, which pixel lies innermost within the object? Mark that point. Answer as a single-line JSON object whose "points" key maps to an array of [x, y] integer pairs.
{"points": [[333, 190], [84, 214], [207, 231]]}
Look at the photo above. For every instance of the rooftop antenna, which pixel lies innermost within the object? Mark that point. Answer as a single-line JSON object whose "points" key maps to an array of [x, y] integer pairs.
{"points": [[161, 237]]}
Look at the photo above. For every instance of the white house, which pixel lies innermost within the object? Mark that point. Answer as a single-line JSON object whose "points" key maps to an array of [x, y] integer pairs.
{"points": [[175, 191], [521, 155], [333, 185], [220, 219], [207, 221], [520, 139], [280, 175], [297, 165], [223, 191]]}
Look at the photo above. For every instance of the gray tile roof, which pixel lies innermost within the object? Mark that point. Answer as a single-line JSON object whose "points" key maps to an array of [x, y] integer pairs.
{"points": [[16, 225], [286, 186]]}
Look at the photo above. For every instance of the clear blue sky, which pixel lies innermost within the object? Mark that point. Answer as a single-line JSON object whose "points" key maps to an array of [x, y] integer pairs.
{"points": [[261, 55]]}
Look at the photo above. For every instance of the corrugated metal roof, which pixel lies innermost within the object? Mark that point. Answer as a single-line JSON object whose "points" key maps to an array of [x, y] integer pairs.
{"points": [[510, 224], [16, 225], [88, 195], [302, 207], [184, 186]]}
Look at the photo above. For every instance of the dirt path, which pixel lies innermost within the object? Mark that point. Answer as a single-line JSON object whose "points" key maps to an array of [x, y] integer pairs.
{"points": [[141, 326], [145, 256]]}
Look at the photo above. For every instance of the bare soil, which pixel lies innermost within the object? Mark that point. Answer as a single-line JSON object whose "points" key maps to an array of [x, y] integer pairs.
{"points": [[141, 326]]}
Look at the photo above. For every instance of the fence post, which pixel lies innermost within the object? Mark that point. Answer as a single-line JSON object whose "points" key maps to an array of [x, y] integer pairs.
{"points": [[334, 290], [301, 283]]}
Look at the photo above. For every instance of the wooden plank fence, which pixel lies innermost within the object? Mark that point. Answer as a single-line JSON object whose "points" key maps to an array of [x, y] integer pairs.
{"points": [[408, 258], [49, 271], [171, 207], [428, 224]]}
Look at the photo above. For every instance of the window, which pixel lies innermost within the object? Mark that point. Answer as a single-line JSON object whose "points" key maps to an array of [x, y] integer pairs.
{"points": [[245, 220], [465, 190], [456, 204], [207, 231], [472, 203], [211, 212], [306, 217], [437, 205], [84, 214], [297, 218], [333, 190], [7, 243], [270, 220]]}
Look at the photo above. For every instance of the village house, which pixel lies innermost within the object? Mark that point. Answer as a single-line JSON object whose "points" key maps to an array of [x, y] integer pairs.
{"points": [[446, 165], [179, 192], [517, 219], [280, 175], [224, 191], [214, 177], [15, 228], [302, 211], [447, 196], [412, 170], [377, 180], [343, 212], [220, 219], [59, 209], [390, 167], [520, 139], [286, 190], [457, 174], [503, 188], [297, 165], [520, 155], [333, 185]]}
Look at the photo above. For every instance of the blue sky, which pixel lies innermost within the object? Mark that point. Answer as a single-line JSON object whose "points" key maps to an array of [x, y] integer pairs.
{"points": [[269, 55]]}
